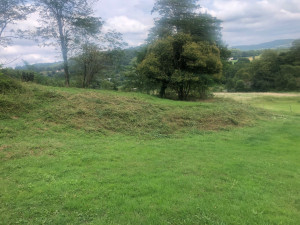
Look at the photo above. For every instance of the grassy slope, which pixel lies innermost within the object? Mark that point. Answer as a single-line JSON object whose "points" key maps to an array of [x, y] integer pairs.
{"points": [[125, 113], [116, 159]]}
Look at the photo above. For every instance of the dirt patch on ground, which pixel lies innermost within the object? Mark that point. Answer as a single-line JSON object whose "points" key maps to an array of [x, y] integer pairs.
{"points": [[3, 147]]}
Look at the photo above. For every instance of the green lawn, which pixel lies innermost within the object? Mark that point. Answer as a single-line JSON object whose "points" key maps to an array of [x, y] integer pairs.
{"points": [[278, 102], [55, 171]]}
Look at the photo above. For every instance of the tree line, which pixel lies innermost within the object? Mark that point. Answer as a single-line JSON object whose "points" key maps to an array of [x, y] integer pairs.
{"points": [[184, 55], [273, 70]]}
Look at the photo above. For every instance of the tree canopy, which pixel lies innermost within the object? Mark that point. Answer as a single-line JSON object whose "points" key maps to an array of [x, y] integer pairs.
{"points": [[273, 70], [66, 23], [11, 11], [183, 54], [181, 64], [184, 16]]}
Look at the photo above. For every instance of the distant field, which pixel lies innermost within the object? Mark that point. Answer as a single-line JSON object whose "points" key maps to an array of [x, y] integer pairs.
{"points": [[73, 156], [284, 102]]}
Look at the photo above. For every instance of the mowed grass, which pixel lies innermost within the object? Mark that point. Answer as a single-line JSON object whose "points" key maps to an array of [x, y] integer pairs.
{"points": [[288, 103], [61, 164]]}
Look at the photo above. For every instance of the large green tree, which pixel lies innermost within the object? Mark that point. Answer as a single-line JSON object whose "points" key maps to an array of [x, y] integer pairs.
{"points": [[237, 75], [181, 64], [289, 76], [264, 71], [66, 23], [93, 58], [89, 63], [183, 55], [158, 64], [292, 57]]}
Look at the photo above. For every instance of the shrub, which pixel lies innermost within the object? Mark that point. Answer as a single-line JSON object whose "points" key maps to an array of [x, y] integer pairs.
{"points": [[27, 76], [240, 85], [8, 84]]}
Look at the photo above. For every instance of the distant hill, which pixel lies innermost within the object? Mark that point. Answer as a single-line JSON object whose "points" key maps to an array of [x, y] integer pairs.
{"points": [[39, 67], [284, 43]]}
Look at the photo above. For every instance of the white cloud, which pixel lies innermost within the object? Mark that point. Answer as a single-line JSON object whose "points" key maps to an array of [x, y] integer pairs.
{"points": [[134, 32], [249, 22], [29, 52], [244, 22], [124, 25]]}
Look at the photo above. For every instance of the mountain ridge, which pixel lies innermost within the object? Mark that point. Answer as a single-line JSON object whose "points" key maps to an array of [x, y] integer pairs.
{"points": [[282, 43]]}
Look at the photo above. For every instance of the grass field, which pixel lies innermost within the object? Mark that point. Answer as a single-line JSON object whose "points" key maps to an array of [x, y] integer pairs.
{"points": [[72, 156], [279, 102]]}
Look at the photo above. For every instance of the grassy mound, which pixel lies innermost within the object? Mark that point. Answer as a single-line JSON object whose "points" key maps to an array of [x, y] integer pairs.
{"points": [[8, 85], [126, 113], [10, 92]]}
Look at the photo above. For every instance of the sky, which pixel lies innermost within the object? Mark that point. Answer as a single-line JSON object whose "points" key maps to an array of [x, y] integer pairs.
{"points": [[244, 22]]}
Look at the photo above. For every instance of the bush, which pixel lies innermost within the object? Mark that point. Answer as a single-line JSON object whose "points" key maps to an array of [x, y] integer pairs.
{"points": [[8, 84], [240, 85], [27, 76], [107, 85]]}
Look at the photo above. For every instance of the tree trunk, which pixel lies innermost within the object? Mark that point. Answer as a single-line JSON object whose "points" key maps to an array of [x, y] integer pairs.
{"points": [[203, 94], [84, 76], [180, 93], [163, 88], [64, 50], [66, 69]]}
